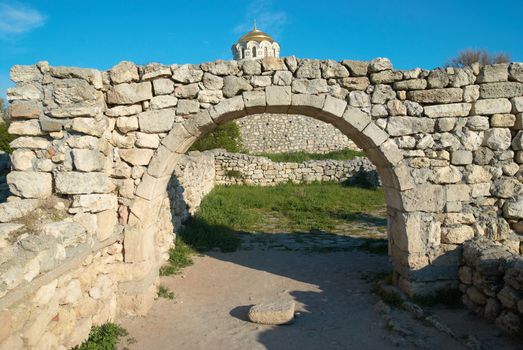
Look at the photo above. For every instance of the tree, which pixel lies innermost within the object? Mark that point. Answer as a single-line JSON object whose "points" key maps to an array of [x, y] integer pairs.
{"points": [[483, 57], [3, 111]]}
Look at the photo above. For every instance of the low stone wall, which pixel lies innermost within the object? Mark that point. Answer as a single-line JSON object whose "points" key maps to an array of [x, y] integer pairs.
{"points": [[492, 282], [281, 133], [236, 168]]}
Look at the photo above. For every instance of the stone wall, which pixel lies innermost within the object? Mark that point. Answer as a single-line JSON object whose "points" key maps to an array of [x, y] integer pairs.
{"points": [[236, 168], [447, 143], [281, 133], [492, 283]]}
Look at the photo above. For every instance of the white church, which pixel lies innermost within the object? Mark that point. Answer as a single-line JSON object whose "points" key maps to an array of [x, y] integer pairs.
{"points": [[255, 44]]}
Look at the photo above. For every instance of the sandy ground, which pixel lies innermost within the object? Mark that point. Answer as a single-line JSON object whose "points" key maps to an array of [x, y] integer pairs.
{"points": [[337, 309]]}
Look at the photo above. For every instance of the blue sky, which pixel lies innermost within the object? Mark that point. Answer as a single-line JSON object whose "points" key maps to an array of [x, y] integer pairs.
{"points": [[99, 34]]}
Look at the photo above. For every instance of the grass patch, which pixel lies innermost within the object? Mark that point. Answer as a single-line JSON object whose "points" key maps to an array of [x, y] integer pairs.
{"points": [[164, 292], [104, 337], [289, 207], [5, 138], [225, 136], [234, 174], [447, 297], [179, 257], [299, 157]]}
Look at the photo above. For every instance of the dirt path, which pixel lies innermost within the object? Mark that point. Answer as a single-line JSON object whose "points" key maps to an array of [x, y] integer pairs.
{"points": [[333, 295]]}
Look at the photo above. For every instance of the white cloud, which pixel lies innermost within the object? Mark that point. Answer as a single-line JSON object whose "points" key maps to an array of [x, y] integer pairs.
{"points": [[17, 18], [267, 18]]}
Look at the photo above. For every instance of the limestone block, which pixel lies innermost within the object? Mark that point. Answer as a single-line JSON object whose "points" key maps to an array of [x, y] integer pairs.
{"points": [[461, 157], [493, 72], [477, 174], [516, 71], [22, 159], [497, 139], [379, 64], [34, 331], [124, 72], [308, 69], [129, 93], [459, 192], [210, 96], [333, 69], [278, 97], [438, 79], [309, 105], [163, 101], [25, 109], [89, 126], [24, 92], [155, 70], [163, 86], [88, 160], [187, 74], [491, 106], [68, 233], [23, 74], [254, 101], [186, 107], [456, 234], [82, 183], [396, 108], [449, 95], [274, 313], [398, 126], [221, 67], [145, 140], [375, 134], [359, 99], [126, 124], [120, 111], [448, 110], [95, 202], [411, 84], [234, 85], [213, 82], [501, 90], [305, 86], [282, 78], [513, 208], [471, 93], [187, 91], [355, 83], [506, 187], [138, 156], [107, 221], [478, 123], [260, 81], [385, 77], [30, 184], [503, 120], [16, 209], [333, 107], [356, 68], [356, 118], [156, 121], [426, 198], [382, 93]]}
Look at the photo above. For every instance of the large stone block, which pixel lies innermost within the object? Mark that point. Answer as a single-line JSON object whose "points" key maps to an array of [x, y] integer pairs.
{"points": [[399, 126], [305, 86], [156, 121], [107, 221], [27, 127], [138, 156], [356, 68], [493, 72], [497, 139], [82, 183], [448, 110], [95, 202], [30, 184], [16, 209], [130, 93], [501, 90], [426, 198], [187, 74], [124, 72], [88, 160], [491, 106], [25, 109], [278, 98], [449, 95]]}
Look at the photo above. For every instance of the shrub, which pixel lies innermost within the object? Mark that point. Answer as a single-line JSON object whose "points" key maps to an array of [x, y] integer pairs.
{"points": [[225, 136], [481, 56], [104, 337]]}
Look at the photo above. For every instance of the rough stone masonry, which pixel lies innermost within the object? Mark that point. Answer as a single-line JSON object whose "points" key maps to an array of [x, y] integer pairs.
{"points": [[97, 150]]}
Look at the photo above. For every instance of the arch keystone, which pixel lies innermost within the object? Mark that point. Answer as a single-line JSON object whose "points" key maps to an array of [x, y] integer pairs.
{"points": [[278, 99], [255, 101], [306, 104]]}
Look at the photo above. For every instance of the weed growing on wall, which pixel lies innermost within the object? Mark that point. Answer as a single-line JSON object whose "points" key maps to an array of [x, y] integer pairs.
{"points": [[104, 337]]}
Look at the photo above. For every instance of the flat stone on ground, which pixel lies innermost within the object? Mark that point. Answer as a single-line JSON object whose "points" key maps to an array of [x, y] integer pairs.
{"points": [[280, 312]]}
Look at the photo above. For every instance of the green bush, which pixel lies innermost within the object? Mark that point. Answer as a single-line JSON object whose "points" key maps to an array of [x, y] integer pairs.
{"points": [[104, 337], [5, 138], [224, 136]]}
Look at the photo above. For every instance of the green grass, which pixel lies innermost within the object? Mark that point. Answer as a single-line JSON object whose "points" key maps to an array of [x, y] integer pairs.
{"points": [[224, 136], [104, 337], [164, 292], [298, 157], [179, 257]]}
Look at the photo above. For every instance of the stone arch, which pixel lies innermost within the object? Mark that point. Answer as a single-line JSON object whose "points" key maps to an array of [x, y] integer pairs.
{"points": [[353, 122]]}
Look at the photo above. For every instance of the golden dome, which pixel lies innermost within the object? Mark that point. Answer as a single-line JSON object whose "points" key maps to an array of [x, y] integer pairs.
{"points": [[256, 35]]}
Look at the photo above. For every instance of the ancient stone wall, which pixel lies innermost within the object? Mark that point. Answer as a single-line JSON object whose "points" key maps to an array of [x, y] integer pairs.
{"points": [[280, 133], [492, 282], [236, 168], [447, 144]]}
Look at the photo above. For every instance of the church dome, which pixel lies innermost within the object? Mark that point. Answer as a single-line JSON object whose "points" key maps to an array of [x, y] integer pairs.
{"points": [[255, 44], [256, 35]]}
